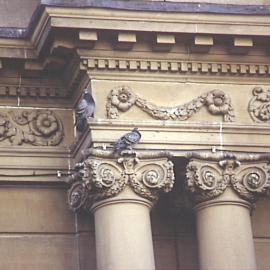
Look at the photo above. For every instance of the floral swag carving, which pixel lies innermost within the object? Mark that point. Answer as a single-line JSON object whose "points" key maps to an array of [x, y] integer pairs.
{"points": [[259, 105], [216, 101], [207, 180], [35, 127], [99, 178]]}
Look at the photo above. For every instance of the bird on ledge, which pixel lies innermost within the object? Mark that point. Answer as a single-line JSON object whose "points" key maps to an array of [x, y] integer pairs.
{"points": [[127, 141]]}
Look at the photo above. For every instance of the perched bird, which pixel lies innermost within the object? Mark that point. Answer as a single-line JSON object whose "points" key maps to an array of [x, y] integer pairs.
{"points": [[127, 141], [85, 109]]}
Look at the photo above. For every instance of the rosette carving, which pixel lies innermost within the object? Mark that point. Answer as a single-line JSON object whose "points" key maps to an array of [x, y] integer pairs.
{"points": [[259, 105], [35, 127], [209, 179], [106, 177], [216, 101]]}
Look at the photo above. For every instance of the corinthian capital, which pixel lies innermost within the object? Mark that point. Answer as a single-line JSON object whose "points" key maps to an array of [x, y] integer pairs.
{"points": [[102, 176], [209, 179]]}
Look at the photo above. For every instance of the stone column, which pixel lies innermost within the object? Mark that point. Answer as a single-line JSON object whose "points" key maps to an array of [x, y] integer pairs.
{"points": [[224, 192], [121, 191]]}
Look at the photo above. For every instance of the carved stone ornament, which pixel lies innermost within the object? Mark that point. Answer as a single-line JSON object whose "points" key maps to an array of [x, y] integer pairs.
{"points": [[35, 127], [209, 179], [216, 101], [259, 105], [103, 177]]}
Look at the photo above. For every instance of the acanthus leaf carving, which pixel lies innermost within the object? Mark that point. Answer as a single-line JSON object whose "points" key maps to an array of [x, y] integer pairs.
{"points": [[35, 127], [216, 101], [259, 105], [104, 178]]}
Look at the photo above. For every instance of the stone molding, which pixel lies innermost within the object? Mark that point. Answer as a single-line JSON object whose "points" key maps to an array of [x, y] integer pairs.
{"points": [[104, 175], [208, 179], [216, 101], [202, 68]]}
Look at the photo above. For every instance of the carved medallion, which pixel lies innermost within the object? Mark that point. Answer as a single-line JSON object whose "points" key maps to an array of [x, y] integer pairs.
{"points": [[216, 101]]}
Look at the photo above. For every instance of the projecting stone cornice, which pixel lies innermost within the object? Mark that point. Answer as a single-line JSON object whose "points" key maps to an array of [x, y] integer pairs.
{"points": [[174, 21]]}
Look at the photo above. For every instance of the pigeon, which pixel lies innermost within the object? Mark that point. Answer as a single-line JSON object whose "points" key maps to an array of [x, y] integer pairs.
{"points": [[85, 109], [127, 141]]}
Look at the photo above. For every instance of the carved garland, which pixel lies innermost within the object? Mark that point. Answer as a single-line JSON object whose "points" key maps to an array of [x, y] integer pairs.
{"points": [[35, 127], [207, 180], [259, 105], [216, 101], [104, 178]]}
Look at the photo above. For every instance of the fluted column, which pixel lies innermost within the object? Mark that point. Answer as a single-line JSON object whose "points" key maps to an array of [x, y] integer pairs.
{"points": [[224, 193], [121, 191]]}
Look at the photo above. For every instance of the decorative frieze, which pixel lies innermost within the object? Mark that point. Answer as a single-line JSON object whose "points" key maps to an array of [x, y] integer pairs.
{"points": [[259, 106], [34, 127], [209, 179], [216, 101], [103, 175]]}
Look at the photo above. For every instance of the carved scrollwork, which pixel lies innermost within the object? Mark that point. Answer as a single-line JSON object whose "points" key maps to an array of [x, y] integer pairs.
{"points": [[35, 127], [251, 182], [216, 101], [207, 180], [105, 178], [259, 105], [149, 180]]}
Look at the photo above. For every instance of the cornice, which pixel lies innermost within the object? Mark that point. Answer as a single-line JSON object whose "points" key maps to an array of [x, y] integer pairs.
{"points": [[160, 6], [171, 40], [126, 16]]}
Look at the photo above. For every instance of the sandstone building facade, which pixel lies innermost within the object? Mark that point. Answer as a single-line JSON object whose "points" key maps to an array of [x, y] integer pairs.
{"points": [[192, 77]]}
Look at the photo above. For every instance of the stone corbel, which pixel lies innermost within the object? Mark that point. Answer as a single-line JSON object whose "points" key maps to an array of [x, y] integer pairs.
{"points": [[103, 175]]}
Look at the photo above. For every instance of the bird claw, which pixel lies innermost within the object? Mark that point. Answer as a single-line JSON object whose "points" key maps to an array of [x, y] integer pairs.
{"points": [[129, 152]]}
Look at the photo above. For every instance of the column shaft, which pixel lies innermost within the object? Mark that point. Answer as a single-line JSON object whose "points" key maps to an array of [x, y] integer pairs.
{"points": [[123, 234], [225, 234]]}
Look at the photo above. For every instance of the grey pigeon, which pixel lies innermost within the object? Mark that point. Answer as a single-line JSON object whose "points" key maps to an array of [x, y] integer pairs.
{"points": [[85, 109], [127, 141]]}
